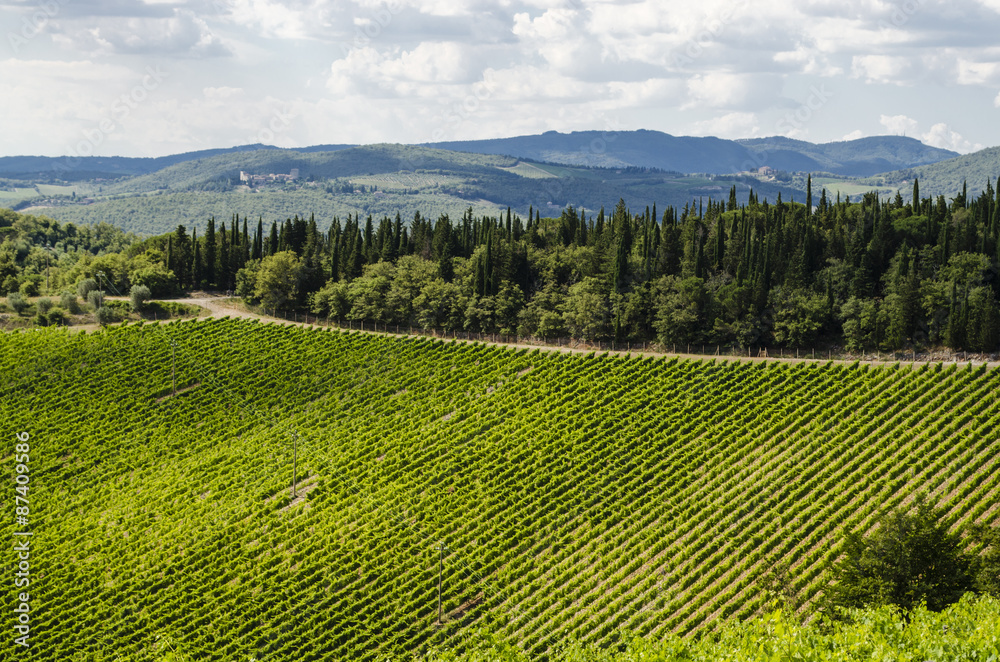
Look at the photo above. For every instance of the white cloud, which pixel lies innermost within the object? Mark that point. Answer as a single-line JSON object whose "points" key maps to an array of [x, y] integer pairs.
{"points": [[978, 73], [397, 69], [730, 125], [181, 34], [882, 68], [898, 125], [941, 135], [854, 135]]}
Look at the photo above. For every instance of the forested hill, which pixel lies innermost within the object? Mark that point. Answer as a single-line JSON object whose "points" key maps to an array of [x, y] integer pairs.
{"points": [[73, 168], [946, 177], [617, 149], [376, 179], [853, 158], [863, 274]]}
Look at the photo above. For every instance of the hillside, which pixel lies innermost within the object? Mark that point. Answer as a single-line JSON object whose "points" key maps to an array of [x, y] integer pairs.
{"points": [[82, 168], [378, 179], [575, 495], [945, 178], [853, 158], [614, 149], [654, 149]]}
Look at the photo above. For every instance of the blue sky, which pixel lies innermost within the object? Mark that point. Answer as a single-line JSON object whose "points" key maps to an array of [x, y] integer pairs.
{"points": [[155, 77]]}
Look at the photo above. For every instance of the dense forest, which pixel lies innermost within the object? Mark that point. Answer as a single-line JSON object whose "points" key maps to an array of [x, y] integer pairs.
{"points": [[861, 274]]}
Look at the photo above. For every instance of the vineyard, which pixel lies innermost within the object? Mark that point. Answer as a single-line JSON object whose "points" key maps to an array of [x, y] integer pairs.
{"points": [[576, 497]]}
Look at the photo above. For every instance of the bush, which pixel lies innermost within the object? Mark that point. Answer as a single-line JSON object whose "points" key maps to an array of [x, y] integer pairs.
{"points": [[139, 295], [17, 302], [910, 558], [85, 287], [29, 288], [96, 299], [56, 317], [106, 315], [68, 301], [43, 306]]}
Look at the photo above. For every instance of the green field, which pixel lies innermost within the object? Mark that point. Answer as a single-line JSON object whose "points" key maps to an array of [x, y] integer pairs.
{"points": [[16, 195], [578, 496]]}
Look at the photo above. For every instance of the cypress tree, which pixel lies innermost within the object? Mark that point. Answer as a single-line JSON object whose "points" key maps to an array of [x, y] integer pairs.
{"points": [[209, 271], [196, 270], [273, 241], [222, 269], [809, 195]]}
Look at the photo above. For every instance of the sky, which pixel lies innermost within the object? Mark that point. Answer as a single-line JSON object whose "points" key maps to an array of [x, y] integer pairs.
{"points": [[158, 77]]}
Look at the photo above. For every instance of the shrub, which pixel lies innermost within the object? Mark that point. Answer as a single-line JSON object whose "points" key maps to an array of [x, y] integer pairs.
{"points": [[43, 306], [139, 295], [85, 287], [106, 315], [29, 288], [17, 302], [910, 558], [69, 301], [56, 317], [96, 299]]}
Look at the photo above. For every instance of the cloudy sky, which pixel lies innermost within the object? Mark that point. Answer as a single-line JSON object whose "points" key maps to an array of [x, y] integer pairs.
{"points": [[154, 77]]}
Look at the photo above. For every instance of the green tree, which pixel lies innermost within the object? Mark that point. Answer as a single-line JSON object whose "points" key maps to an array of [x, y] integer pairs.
{"points": [[17, 302], [910, 558], [85, 287], [369, 293], [585, 310], [96, 299], [859, 319], [139, 295], [106, 315], [278, 278], [331, 300], [440, 305], [680, 309], [798, 315]]}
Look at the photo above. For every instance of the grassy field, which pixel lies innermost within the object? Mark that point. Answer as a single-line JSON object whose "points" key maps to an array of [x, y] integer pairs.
{"points": [[577, 497], [850, 187]]}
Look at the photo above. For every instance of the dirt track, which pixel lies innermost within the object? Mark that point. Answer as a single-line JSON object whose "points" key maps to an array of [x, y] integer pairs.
{"points": [[221, 306]]}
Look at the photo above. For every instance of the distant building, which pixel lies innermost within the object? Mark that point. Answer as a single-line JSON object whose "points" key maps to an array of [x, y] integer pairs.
{"points": [[255, 180]]}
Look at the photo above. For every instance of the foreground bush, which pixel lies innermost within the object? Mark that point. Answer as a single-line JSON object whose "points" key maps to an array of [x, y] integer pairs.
{"points": [[968, 630]]}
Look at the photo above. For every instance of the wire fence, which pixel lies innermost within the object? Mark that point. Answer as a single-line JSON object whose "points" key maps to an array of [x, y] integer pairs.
{"points": [[731, 351]]}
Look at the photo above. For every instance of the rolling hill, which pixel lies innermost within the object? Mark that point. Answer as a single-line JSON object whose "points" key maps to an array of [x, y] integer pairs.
{"points": [[945, 177], [654, 149], [611, 149], [378, 180], [575, 496], [547, 172]]}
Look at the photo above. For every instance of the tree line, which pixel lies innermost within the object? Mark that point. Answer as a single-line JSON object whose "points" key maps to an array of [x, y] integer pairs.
{"points": [[863, 274]]}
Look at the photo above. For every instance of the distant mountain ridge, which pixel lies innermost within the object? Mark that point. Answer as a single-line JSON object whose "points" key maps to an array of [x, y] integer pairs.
{"points": [[609, 149], [852, 158], [75, 168], [944, 177], [654, 149]]}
